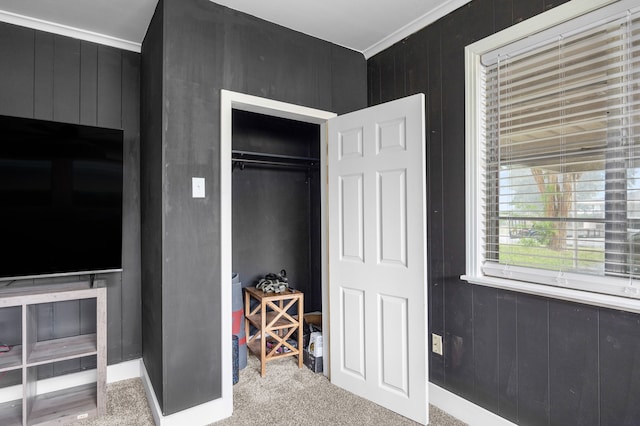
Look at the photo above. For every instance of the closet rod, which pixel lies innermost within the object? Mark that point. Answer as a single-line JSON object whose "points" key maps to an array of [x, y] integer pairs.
{"points": [[279, 156], [260, 158], [272, 163]]}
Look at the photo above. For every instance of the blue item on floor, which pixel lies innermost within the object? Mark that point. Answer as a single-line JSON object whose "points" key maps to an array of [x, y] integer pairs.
{"points": [[236, 370]]}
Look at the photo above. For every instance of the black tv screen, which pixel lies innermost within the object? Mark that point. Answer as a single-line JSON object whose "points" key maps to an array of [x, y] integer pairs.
{"points": [[61, 198]]}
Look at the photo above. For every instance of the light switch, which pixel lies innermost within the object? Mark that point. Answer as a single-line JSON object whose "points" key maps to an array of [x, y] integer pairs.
{"points": [[197, 187]]}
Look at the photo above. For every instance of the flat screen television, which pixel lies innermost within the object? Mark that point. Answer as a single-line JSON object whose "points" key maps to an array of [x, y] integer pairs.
{"points": [[60, 198]]}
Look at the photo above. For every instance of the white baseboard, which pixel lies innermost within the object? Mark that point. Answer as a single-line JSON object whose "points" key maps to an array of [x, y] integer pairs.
{"points": [[463, 409], [115, 373], [203, 414], [219, 409], [11, 393], [124, 370], [52, 384]]}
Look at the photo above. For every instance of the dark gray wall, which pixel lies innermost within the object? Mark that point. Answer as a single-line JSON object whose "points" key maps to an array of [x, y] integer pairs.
{"points": [[529, 359], [206, 47], [58, 78], [151, 147]]}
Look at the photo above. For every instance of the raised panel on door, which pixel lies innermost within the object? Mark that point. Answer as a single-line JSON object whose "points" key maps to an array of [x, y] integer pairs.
{"points": [[353, 357], [351, 220], [393, 349], [392, 217]]}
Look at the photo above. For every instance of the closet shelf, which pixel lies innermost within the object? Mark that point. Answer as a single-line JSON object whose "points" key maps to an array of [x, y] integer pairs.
{"points": [[251, 158]]}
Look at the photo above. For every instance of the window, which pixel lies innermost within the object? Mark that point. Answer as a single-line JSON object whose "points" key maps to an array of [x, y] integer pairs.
{"points": [[553, 154]]}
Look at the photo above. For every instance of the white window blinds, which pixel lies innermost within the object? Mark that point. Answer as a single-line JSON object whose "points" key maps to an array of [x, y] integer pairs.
{"points": [[562, 158]]}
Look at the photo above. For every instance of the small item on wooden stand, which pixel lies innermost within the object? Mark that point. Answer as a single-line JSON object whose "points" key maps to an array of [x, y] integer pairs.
{"points": [[274, 283]]}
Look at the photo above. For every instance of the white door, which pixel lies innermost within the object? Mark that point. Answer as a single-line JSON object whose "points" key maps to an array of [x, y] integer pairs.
{"points": [[377, 255]]}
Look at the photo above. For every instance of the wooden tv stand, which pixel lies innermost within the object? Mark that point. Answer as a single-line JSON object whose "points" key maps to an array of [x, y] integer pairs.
{"points": [[63, 405]]}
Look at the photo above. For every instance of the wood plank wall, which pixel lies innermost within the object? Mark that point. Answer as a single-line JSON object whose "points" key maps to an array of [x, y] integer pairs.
{"points": [[529, 359], [52, 77]]}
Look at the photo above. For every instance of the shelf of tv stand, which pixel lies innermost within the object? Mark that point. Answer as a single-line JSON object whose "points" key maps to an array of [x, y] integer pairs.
{"points": [[11, 413], [11, 360], [71, 403], [54, 350], [53, 407]]}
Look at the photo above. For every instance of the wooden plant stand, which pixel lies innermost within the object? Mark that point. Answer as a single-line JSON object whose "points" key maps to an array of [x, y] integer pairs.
{"points": [[275, 326]]}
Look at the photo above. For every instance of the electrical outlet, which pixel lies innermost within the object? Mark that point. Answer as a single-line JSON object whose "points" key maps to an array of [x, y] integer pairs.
{"points": [[436, 343]]}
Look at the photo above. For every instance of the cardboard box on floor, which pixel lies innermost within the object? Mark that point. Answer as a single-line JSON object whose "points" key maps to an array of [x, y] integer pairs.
{"points": [[314, 318]]}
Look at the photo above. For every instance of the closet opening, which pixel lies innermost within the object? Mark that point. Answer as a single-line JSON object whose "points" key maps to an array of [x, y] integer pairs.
{"points": [[276, 202], [230, 103]]}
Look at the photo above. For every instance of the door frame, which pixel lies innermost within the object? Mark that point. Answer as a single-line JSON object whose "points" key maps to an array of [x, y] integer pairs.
{"points": [[229, 101]]}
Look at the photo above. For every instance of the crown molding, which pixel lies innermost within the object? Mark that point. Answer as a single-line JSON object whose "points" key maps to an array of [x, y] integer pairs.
{"points": [[64, 30], [413, 27]]}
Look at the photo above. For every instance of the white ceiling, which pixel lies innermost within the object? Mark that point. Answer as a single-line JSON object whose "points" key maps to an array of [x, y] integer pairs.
{"points": [[363, 25]]}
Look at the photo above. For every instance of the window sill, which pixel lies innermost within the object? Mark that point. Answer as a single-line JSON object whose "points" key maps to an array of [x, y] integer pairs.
{"points": [[571, 295]]}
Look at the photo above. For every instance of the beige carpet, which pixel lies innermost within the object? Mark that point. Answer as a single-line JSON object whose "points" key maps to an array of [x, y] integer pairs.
{"points": [[286, 396]]}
